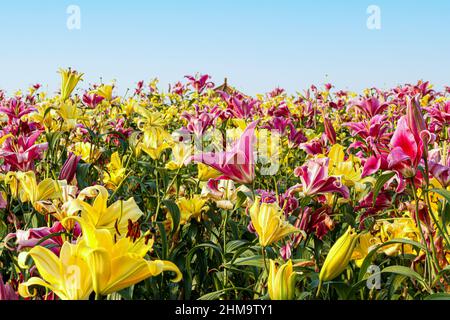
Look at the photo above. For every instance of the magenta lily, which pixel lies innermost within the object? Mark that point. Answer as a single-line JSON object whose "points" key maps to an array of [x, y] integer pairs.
{"points": [[33, 237], [407, 152], [371, 107], [315, 180], [21, 153], [441, 173], [15, 109], [238, 164], [201, 83], [7, 292]]}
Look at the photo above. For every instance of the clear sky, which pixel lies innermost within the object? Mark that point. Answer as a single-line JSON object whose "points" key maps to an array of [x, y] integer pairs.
{"points": [[257, 44]]}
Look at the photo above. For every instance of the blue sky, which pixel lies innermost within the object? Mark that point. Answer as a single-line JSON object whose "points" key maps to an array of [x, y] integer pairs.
{"points": [[257, 44]]}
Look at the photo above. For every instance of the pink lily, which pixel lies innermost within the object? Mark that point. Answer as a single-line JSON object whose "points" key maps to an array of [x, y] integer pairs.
{"points": [[407, 152], [7, 292], [315, 180], [441, 173], [92, 100], [238, 164], [371, 107], [201, 121], [33, 237], [238, 106], [15, 109], [201, 83], [21, 153]]}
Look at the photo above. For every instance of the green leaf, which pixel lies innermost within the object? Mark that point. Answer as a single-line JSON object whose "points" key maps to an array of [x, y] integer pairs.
{"points": [[381, 181], [407, 272], [235, 244], [165, 245], [368, 260], [253, 261], [83, 179], [3, 230], [174, 213], [442, 192], [241, 197], [438, 296]]}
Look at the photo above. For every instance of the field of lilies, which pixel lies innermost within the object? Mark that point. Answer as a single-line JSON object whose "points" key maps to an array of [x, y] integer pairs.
{"points": [[204, 192]]}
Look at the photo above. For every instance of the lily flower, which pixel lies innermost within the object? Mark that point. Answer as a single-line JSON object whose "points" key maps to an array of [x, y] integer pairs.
{"points": [[7, 292], [113, 218], [407, 151], [269, 222], [118, 265], [349, 170], [206, 173], [21, 153], [68, 275], [25, 186], [330, 133], [92, 100], [115, 173], [69, 80], [191, 208], [315, 180], [50, 238], [87, 151], [200, 83], [180, 154], [338, 257], [15, 109], [238, 164], [223, 192], [281, 281], [371, 107]]}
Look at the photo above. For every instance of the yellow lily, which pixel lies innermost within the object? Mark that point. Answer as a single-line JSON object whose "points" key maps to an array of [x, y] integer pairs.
{"points": [[180, 153], [269, 222], [281, 281], [349, 171], [70, 79], [24, 185], [366, 244], [401, 228], [105, 91], [191, 208], [206, 172], [12, 179], [154, 146], [68, 275], [115, 173], [113, 218], [88, 152], [117, 265], [70, 114]]}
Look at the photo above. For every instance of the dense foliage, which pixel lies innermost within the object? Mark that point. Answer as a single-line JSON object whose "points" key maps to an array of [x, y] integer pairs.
{"points": [[207, 193]]}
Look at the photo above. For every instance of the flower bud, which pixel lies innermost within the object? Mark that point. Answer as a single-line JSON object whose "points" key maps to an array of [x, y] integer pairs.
{"points": [[339, 256], [329, 130], [281, 281], [69, 168]]}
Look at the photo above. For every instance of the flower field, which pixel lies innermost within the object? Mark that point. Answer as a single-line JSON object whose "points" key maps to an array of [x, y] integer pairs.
{"points": [[203, 192]]}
